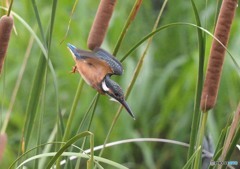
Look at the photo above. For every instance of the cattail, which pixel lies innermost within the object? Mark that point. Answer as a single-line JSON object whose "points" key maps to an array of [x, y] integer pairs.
{"points": [[100, 24], [3, 142], [215, 63], [6, 25]]}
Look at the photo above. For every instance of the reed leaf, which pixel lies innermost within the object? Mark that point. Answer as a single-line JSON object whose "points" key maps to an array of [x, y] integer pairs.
{"points": [[33, 101], [103, 160], [130, 19], [69, 143], [233, 144], [201, 55], [191, 159]]}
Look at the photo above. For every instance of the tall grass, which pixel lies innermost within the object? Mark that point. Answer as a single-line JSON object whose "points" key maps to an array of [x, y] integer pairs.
{"points": [[55, 116]]}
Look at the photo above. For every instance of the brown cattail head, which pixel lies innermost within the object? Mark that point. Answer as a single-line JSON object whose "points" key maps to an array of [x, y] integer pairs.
{"points": [[217, 53], [100, 23], [6, 25], [3, 142]]}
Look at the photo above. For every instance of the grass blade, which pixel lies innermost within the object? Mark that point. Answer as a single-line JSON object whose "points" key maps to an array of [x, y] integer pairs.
{"points": [[41, 46], [103, 160], [35, 9], [17, 85], [196, 113], [130, 19], [33, 100], [69, 143], [191, 159], [233, 144], [73, 110], [231, 133]]}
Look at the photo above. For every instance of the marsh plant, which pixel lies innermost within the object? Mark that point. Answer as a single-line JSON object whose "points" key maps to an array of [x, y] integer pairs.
{"points": [[180, 80]]}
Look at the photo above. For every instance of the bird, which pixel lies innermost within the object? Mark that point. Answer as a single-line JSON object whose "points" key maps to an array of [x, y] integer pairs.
{"points": [[96, 67]]}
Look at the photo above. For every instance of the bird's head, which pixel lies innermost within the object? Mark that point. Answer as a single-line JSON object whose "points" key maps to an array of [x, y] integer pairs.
{"points": [[113, 90]]}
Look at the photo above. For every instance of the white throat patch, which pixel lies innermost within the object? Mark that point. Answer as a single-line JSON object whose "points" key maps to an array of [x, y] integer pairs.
{"points": [[104, 86]]}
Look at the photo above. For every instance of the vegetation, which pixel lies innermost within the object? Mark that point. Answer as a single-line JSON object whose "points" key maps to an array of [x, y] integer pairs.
{"points": [[50, 109]]}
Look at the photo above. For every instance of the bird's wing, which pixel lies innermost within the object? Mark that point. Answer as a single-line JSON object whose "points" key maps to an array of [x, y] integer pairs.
{"points": [[115, 65], [94, 64]]}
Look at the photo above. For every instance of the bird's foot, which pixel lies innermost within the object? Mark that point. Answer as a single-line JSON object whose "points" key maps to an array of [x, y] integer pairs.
{"points": [[74, 69]]}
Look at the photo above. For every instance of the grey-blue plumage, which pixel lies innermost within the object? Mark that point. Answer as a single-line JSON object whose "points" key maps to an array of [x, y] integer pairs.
{"points": [[101, 54], [110, 59]]}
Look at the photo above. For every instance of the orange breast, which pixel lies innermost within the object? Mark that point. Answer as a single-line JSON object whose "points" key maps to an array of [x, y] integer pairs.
{"points": [[93, 71]]}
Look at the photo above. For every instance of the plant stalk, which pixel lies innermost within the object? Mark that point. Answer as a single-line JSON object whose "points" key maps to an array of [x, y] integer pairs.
{"points": [[201, 132]]}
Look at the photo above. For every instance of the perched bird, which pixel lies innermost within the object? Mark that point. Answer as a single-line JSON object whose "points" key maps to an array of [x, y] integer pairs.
{"points": [[96, 67]]}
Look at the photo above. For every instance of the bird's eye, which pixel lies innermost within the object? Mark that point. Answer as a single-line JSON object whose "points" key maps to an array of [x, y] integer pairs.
{"points": [[90, 64]]}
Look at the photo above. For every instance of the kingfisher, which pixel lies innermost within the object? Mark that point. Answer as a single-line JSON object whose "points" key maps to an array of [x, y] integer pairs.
{"points": [[96, 67]]}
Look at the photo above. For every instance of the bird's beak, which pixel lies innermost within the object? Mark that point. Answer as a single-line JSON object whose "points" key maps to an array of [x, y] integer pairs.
{"points": [[73, 50], [125, 105]]}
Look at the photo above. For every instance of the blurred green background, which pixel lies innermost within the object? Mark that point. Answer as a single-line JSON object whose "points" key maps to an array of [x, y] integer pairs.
{"points": [[162, 97]]}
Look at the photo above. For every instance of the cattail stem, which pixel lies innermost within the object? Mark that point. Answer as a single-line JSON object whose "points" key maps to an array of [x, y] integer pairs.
{"points": [[10, 8], [217, 53], [100, 23], [3, 142], [201, 130], [6, 25]]}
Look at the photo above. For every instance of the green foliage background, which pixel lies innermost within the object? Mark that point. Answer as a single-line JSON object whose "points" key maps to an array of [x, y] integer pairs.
{"points": [[162, 97]]}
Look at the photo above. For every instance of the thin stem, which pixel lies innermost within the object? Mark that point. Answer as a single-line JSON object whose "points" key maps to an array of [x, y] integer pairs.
{"points": [[10, 8], [18, 82], [73, 110], [127, 24], [70, 20], [90, 161], [71, 116], [233, 144], [201, 55], [202, 127], [92, 105], [110, 130]]}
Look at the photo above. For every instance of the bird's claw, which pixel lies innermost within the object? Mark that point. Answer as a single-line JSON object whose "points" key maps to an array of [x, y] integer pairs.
{"points": [[74, 69]]}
